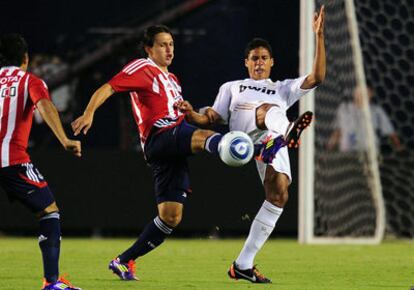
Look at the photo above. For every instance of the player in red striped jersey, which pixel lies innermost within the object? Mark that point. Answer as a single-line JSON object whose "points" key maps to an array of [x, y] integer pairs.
{"points": [[166, 138], [20, 93]]}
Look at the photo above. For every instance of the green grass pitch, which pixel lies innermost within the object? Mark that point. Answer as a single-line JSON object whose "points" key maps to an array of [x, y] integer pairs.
{"points": [[202, 264]]}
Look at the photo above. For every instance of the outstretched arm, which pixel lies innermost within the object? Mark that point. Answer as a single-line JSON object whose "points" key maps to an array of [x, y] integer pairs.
{"points": [[209, 118], [84, 122], [319, 64], [51, 116]]}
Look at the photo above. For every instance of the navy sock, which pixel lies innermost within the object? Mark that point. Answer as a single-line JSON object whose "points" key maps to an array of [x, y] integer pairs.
{"points": [[151, 237], [212, 142], [49, 242]]}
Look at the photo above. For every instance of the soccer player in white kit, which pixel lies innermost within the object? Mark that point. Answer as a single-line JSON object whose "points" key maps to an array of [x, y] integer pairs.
{"points": [[350, 135], [257, 106]]}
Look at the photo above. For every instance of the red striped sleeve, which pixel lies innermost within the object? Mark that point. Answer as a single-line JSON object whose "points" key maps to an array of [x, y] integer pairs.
{"points": [[37, 89], [132, 76]]}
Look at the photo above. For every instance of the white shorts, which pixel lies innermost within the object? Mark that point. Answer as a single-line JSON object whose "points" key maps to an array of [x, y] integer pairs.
{"points": [[280, 163]]}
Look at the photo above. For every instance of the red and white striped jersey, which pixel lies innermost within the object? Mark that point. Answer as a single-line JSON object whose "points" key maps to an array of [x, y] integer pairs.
{"points": [[19, 92], [153, 95]]}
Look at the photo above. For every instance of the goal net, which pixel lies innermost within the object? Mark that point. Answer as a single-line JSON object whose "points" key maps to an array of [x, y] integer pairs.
{"points": [[386, 30], [354, 186]]}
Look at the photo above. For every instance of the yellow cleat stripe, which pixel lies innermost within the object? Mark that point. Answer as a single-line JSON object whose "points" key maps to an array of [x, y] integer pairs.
{"points": [[269, 144]]}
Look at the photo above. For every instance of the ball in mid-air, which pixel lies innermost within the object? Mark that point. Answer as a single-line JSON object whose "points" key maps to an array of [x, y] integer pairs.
{"points": [[236, 148]]}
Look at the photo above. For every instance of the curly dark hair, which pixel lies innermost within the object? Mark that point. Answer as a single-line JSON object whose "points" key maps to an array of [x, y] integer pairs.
{"points": [[13, 48]]}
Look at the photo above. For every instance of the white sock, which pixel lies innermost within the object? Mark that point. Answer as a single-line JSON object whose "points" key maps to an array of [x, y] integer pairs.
{"points": [[276, 120], [260, 230]]}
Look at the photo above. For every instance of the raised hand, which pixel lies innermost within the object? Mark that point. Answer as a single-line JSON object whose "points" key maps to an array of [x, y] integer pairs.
{"points": [[318, 21]]}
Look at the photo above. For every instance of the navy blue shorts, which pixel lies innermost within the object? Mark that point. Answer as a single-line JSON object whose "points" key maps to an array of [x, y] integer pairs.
{"points": [[166, 152], [23, 182]]}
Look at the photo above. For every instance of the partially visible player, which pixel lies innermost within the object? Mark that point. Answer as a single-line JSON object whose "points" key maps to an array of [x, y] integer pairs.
{"points": [[257, 106], [350, 135], [20, 93], [166, 138]]}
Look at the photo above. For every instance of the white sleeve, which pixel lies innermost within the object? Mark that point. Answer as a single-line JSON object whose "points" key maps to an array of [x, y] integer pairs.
{"points": [[222, 102], [384, 124], [291, 90]]}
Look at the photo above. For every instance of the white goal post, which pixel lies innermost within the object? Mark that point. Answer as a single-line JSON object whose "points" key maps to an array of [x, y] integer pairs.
{"points": [[313, 162]]}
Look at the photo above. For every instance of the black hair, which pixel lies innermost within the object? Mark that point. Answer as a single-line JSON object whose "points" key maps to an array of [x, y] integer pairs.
{"points": [[13, 48], [255, 43], [149, 36]]}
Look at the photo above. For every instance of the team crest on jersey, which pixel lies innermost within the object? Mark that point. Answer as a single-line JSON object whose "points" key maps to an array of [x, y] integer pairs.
{"points": [[264, 90]]}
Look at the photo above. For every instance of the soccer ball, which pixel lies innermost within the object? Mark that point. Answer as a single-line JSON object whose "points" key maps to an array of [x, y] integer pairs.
{"points": [[236, 148]]}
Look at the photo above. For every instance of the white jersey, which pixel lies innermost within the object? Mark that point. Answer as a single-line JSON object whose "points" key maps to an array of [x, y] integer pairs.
{"points": [[349, 118], [237, 101]]}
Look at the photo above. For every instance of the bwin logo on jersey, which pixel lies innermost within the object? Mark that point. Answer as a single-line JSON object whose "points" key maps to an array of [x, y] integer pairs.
{"points": [[239, 149], [257, 89]]}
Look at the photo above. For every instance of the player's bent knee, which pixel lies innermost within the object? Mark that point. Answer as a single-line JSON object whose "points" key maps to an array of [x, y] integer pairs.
{"points": [[49, 209], [261, 112], [172, 220], [170, 213]]}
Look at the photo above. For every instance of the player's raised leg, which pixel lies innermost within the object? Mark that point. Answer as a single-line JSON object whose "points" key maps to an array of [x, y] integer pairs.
{"points": [[235, 148], [205, 140], [296, 128], [271, 117]]}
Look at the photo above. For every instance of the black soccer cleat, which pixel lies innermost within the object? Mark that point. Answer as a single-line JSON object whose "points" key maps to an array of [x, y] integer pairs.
{"points": [[293, 134], [253, 275]]}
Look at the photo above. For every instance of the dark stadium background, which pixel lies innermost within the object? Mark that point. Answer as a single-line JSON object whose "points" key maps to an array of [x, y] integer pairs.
{"points": [[109, 190]]}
